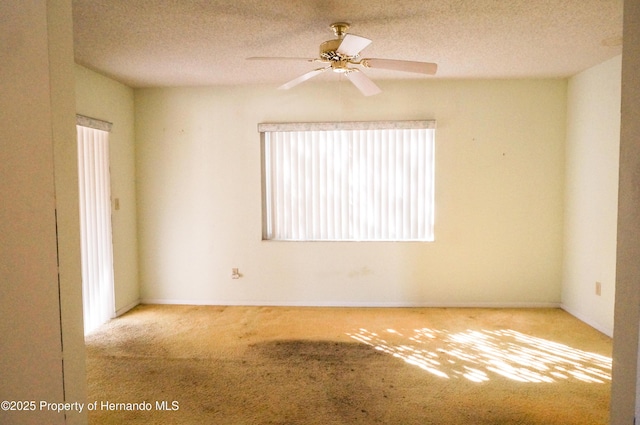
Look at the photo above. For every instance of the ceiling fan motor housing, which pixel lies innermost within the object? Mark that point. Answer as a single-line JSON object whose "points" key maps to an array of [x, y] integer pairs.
{"points": [[329, 50]]}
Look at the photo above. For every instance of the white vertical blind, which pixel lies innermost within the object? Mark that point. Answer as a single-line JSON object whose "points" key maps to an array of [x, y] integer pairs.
{"points": [[95, 226], [354, 184]]}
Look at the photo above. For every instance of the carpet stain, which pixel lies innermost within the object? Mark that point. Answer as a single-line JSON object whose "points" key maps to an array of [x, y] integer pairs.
{"points": [[328, 352]]}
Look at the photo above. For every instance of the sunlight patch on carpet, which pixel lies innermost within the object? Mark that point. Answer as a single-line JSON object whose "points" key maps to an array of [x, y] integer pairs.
{"points": [[479, 355]]}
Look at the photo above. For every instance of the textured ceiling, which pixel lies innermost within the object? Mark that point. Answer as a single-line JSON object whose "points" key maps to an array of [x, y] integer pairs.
{"points": [[145, 43]]}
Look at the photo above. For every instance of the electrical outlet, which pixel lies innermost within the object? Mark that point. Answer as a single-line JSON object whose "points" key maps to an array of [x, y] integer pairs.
{"points": [[598, 288]]}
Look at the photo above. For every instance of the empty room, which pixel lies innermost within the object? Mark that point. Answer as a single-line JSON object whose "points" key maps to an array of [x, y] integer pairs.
{"points": [[325, 212]]}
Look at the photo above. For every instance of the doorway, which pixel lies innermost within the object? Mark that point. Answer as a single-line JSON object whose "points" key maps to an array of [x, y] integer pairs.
{"points": [[95, 225]]}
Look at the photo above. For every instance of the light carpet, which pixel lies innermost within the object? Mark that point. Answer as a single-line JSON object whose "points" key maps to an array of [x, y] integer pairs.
{"points": [[307, 366]]}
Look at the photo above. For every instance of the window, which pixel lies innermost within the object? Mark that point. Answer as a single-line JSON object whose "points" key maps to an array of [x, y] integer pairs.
{"points": [[365, 181]]}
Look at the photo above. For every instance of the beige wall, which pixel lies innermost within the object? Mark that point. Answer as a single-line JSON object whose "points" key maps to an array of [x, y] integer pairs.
{"points": [[40, 297], [499, 197], [591, 206], [103, 98], [625, 388]]}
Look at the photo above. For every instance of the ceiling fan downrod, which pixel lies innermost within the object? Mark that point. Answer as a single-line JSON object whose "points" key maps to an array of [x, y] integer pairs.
{"points": [[340, 29]]}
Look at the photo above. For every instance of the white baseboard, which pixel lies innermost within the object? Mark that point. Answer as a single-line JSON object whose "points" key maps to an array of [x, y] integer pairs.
{"points": [[126, 308], [604, 329], [357, 304]]}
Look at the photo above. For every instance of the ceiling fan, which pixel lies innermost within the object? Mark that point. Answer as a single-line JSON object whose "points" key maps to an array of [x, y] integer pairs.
{"points": [[342, 53]]}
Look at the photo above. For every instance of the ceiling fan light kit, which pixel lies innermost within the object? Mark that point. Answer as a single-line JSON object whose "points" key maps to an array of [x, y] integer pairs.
{"points": [[338, 54]]}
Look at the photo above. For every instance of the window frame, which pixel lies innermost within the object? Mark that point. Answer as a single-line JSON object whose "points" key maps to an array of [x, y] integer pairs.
{"points": [[264, 128]]}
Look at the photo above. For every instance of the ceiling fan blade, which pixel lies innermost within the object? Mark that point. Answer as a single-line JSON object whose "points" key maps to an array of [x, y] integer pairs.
{"points": [[363, 83], [302, 78], [266, 58], [400, 65], [352, 45]]}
